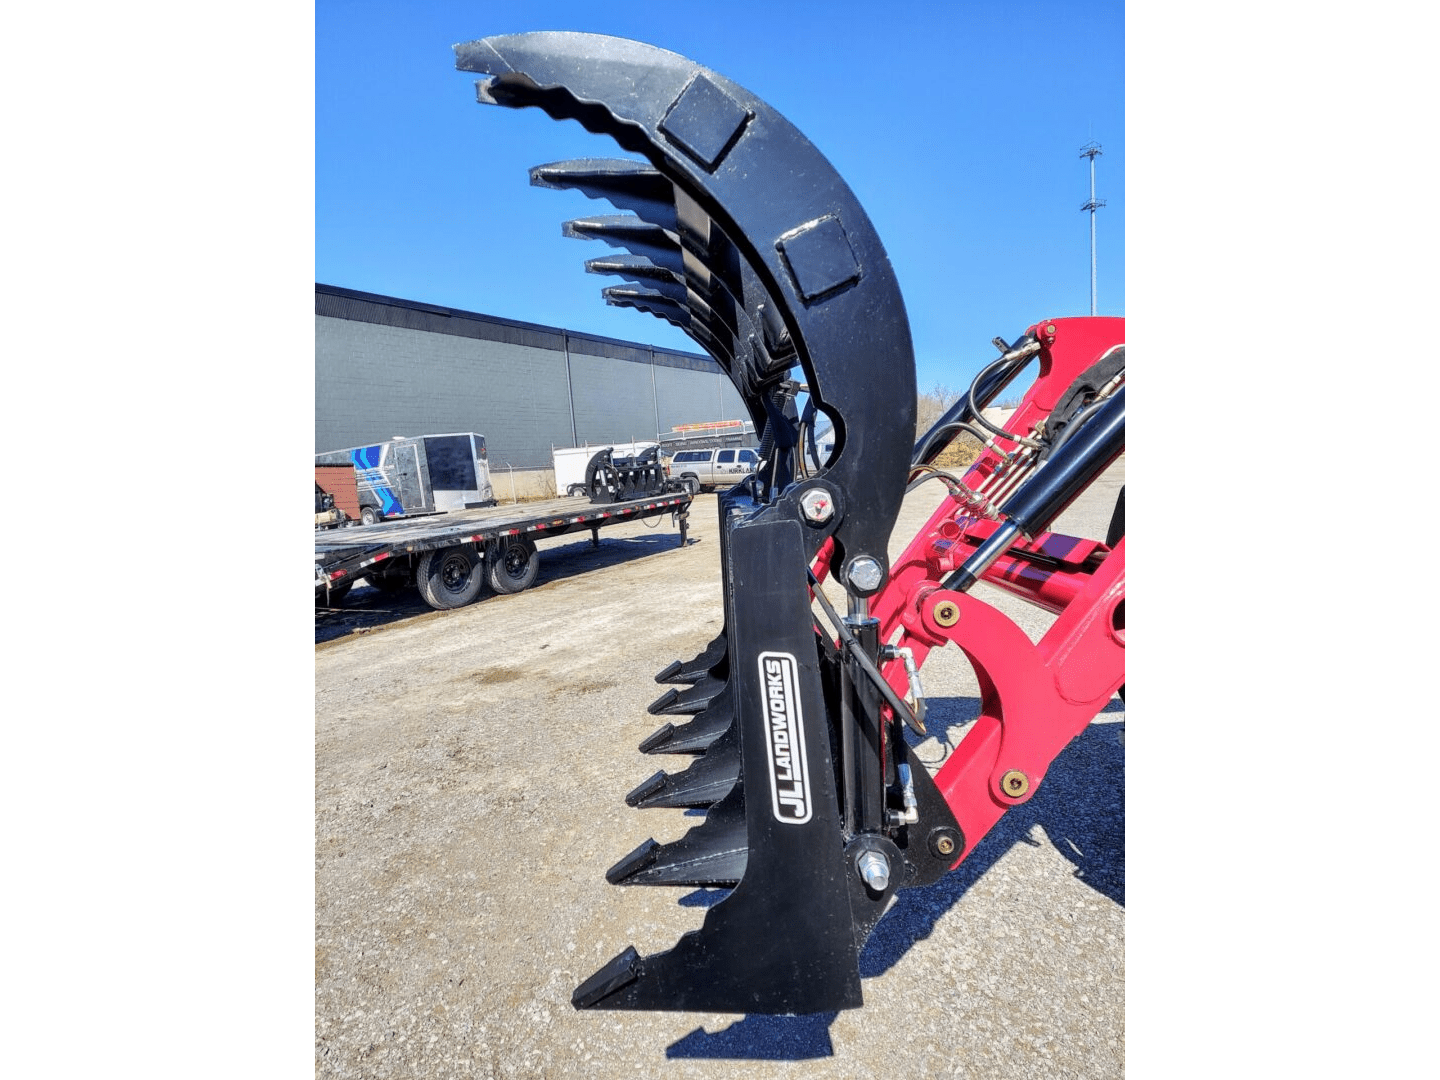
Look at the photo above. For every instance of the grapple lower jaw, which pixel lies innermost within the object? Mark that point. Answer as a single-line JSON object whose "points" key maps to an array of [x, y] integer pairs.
{"points": [[763, 255]]}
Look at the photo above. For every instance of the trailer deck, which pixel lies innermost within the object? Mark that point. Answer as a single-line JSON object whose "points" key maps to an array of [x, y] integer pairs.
{"points": [[344, 555]]}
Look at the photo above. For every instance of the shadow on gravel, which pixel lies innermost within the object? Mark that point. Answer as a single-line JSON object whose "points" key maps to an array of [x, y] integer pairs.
{"points": [[1080, 807], [367, 608]]}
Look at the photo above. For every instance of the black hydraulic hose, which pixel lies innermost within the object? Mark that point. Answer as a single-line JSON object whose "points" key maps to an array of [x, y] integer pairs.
{"points": [[984, 388]]}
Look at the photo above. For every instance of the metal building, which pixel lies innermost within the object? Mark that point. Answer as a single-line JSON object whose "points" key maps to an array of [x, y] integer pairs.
{"points": [[387, 367]]}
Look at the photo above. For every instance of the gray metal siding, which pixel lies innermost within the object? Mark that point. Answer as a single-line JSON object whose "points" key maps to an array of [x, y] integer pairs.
{"points": [[388, 367], [691, 397]]}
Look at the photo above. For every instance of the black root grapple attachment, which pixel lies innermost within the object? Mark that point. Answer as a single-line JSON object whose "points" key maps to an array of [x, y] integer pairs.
{"points": [[736, 229]]}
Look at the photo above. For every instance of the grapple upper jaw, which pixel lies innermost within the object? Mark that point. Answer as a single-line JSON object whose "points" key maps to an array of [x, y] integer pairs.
{"points": [[748, 184]]}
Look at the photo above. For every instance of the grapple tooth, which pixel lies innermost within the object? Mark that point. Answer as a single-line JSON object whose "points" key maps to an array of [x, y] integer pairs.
{"points": [[647, 789], [658, 738], [679, 314], [629, 232], [637, 860], [711, 660], [694, 699], [695, 736], [629, 185], [623, 970], [712, 854], [635, 268], [709, 779]]}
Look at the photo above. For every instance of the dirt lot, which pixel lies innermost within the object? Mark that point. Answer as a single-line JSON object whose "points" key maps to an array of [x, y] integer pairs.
{"points": [[470, 774]]}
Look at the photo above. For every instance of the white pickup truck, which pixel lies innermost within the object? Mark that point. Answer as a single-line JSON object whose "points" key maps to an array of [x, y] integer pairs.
{"points": [[713, 468]]}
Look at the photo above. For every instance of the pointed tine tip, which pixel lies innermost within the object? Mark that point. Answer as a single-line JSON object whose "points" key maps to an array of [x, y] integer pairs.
{"points": [[669, 671], [658, 737], [657, 706], [633, 863], [650, 787], [620, 972]]}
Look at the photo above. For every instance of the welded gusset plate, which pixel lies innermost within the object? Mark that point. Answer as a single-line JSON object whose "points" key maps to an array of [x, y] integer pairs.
{"points": [[790, 216]]}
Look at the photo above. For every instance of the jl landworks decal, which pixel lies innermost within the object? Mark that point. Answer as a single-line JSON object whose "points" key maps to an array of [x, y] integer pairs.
{"points": [[785, 741]]}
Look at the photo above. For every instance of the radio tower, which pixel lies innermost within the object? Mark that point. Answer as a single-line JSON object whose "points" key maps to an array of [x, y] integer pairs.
{"points": [[1092, 151]]}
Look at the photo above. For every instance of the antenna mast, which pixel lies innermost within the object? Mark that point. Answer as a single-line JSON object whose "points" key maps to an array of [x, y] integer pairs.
{"points": [[1092, 151]]}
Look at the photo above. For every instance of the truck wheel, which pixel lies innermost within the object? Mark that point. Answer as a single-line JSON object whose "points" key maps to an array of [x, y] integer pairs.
{"points": [[574, 491], [368, 516], [692, 485], [514, 565], [449, 578]]}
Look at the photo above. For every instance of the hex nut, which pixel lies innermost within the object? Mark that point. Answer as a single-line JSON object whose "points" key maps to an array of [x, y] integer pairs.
{"points": [[866, 573], [817, 506]]}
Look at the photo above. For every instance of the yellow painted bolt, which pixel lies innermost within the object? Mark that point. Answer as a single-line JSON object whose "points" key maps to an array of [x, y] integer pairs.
{"points": [[947, 613], [1015, 783]]}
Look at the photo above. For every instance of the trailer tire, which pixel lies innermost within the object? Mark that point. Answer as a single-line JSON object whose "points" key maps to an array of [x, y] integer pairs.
{"points": [[368, 515], [449, 577], [513, 565]]}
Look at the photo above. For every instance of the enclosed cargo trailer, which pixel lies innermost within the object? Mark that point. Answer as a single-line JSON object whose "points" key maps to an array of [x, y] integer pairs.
{"points": [[424, 474]]}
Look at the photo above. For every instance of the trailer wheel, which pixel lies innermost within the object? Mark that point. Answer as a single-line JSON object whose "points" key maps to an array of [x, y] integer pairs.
{"points": [[514, 565], [449, 578], [368, 516]]}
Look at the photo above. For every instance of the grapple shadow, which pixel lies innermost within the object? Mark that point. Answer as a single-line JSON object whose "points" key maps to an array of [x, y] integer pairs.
{"points": [[1080, 806]]}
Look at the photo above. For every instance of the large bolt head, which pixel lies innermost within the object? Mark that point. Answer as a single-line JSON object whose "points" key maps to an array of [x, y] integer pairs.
{"points": [[817, 506], [866, 573], [874, 870]]}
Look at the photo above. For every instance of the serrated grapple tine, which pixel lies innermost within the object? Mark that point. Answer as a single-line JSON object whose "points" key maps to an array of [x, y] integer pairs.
{"points": [[710, 778], [628, 185], [634, 235], [676, 312], [710, 855], [695, 698], [695, 736], [702, 664], [634, 268]]}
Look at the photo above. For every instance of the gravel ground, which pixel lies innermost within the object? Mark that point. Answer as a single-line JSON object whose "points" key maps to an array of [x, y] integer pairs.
{"points": [[470, 773]]}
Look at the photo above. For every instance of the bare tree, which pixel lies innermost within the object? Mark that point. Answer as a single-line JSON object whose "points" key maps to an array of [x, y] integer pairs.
{"points": [[930, 405]]}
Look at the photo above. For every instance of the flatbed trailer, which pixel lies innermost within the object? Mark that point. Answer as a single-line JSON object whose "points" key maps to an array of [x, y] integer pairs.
{"points": [[449, 558]]}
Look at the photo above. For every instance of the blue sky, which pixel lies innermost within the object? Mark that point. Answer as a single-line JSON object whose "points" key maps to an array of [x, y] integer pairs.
{"points": [[957, 125]]}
